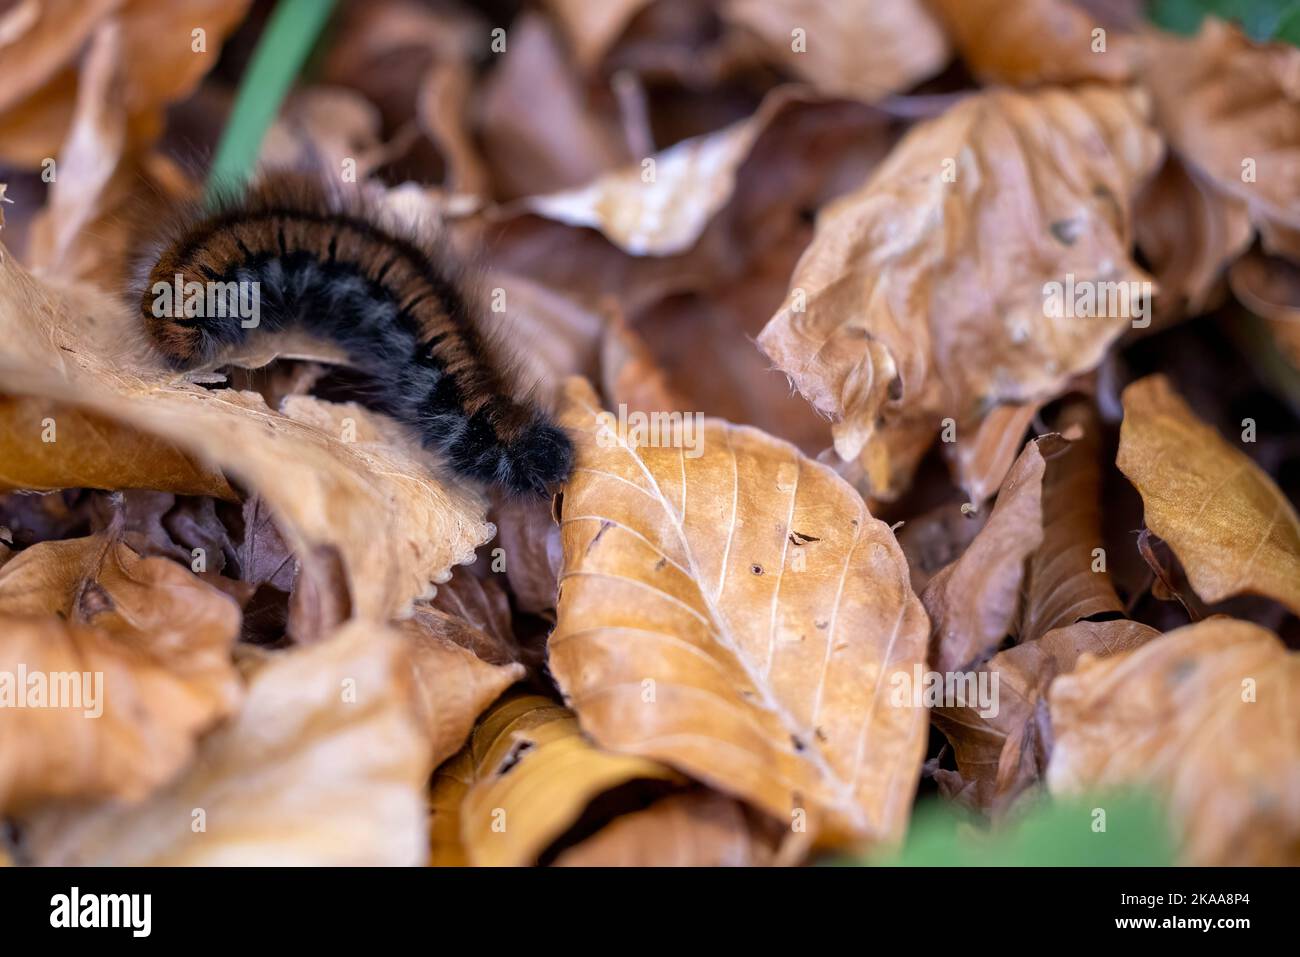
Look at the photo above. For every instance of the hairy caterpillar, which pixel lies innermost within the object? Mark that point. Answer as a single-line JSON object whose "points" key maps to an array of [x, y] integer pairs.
{"points": [[337, 268]]}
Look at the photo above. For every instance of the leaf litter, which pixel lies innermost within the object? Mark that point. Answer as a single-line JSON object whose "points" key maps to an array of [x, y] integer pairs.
{"points": [[826, 281]]}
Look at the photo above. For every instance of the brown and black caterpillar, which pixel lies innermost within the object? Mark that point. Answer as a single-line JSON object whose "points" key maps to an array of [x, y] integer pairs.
{"points": [[338, 269]]}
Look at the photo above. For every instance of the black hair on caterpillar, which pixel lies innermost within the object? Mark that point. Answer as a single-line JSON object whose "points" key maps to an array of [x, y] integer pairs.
{"points": [[338, 268]]}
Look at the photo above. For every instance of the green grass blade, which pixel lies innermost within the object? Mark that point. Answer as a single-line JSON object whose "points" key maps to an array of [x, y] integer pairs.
{"points": [[289, 36]]}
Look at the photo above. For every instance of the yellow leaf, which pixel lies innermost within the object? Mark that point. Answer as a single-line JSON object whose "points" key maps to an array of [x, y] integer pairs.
{"points": [[525, 777]]}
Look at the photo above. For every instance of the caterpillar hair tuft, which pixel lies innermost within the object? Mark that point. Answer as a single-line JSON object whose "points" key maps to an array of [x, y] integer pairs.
{"points": [[335, 266]]}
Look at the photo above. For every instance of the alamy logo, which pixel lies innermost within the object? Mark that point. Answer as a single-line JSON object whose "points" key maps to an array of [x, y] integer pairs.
{"points": [[1089, 299], [656, 430], [103, 910], [950, 689], [74, 690], [208, 300]]}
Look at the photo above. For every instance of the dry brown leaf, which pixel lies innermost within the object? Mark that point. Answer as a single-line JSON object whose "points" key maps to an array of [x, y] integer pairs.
{"points": [[158, 56], [525, 777], [631, 375], [152, 643], [1230, 526], [592, 29], [458, 673], [738, 614], [443, 113], [1028, 42], [323, 127], [703, 829], [981, 462], [1190, 231], [1270, 288], [1205, 716], [450, 785], [90, 155], [1000, 755], [1231, 110], [937, 538], [553, 335], [355, 495], [483, 605], [810, 151], [720, 373], [47, 445], [826, 43], [920, 299], [103, 187], [324, 765], [662, 204], [973, 602], [536, 126], [37, 37], [530, 540], [1066, 580]]}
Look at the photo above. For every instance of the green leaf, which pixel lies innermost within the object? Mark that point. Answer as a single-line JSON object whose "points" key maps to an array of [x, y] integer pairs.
{"points": [[289, 36], [1053, 834], [1262, 20]]}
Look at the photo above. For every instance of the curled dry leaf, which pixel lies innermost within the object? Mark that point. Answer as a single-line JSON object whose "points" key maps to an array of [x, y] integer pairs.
{"points": [[47, 445], [1190, 231], [324, 765], [356, 497], [1027, 42], [529, 767], [1230, 526], [1270, 288], [922, 294], [148, 644], [738, 615], [323, 127], [825, 43], [1001, 752], [89, 157], [1231, 110], [698, 829], [443, 108], [661, 205], [973, 602], [459, 671], [158, 53], [38, 38], [981, 462], [483, 605], [1205, 716], [1066, 579]]}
